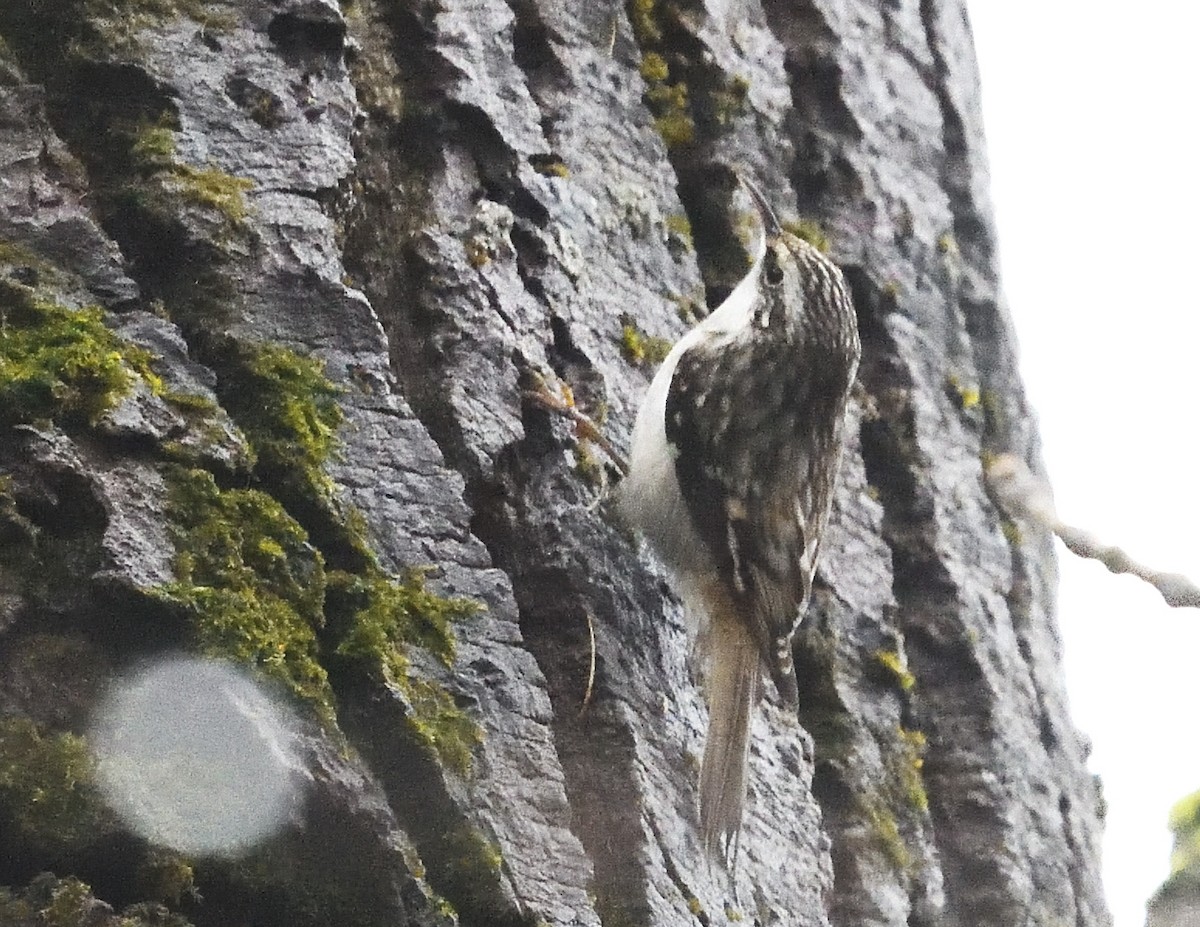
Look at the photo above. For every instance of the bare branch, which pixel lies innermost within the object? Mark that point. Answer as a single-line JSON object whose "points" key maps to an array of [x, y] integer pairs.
{"points": [[1022, 495]]}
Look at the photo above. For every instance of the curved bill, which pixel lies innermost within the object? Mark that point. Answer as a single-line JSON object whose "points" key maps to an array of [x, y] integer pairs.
{"points": [[771, 226]]}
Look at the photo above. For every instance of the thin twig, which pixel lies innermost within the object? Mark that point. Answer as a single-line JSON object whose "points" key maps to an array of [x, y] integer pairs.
{"points": [[1022, 495], [591, 679], [585, 428]]}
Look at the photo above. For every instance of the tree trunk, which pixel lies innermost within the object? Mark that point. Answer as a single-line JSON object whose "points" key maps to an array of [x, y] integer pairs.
{"points": [[328, 251]]}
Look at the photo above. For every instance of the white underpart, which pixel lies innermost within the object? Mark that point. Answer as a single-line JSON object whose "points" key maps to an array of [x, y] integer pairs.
{"points": [[650, 497]]}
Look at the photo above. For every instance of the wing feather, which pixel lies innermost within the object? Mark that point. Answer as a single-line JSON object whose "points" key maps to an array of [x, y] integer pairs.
{"points": [[761, 512]]}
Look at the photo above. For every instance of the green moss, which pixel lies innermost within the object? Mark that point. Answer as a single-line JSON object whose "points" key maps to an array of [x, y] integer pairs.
{"points": [[252, 586], [16, 257], [681, 227], [190, 402], [640, 348], [167, 877], [729, 102], [810, 231], [654, 68], [686, 307], [994, 419], [153, 147], [666, 99], [675, 126], [388, 617], [968, 396], [153, 154], [214, 189], [550, 165], [47, 794], [288, 410], [588, 465], [59, 363], [1184, 821], [894, 666], [643, 17], [53, 902], [116, 23], [886, 830], [1012, 532], [473, 864], [908, 768]]}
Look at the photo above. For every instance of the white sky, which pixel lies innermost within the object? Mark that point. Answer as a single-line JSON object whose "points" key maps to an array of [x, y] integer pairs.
{"points": [[1091, 112]]}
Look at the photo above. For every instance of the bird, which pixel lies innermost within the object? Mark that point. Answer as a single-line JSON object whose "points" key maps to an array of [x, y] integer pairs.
{"points": [[733, 462]]}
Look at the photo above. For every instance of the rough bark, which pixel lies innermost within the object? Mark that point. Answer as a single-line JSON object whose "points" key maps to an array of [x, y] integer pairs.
{"points": [[443, 203]]}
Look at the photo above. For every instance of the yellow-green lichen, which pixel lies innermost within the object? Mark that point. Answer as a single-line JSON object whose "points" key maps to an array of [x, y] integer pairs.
{"points": [[811, 231], [894, 665], [947, 245], [388, 617], [62, 364], [250, 584], [47, 796], [640, 348]]}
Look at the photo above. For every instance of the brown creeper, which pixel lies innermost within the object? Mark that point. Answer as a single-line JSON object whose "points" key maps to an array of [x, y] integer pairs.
{"points": [[734, 457]]}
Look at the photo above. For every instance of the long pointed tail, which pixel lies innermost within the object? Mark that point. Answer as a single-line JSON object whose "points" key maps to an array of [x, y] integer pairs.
{"points": [[732, 689]]}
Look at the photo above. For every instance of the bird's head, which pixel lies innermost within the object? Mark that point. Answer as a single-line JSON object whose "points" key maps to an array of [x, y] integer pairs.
{"points": [[799, 294]]}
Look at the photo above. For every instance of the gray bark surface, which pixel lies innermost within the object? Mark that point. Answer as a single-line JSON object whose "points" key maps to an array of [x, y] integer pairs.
{"points": [[448, 201]]}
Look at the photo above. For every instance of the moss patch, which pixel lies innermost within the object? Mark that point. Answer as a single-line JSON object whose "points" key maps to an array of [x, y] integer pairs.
{"points": [[680, 227], [908, 766], [966, 395], [287, 408], [153, 154], [1184, 822], [387, 617], [895, 669], [46, 788], [667, 99], [252, 586], [52, 902], [886, 831], [62, 364], [641, 349]]}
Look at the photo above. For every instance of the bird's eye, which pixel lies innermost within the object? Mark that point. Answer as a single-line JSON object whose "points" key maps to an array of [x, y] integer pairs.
{"points": [[773, 272]]}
